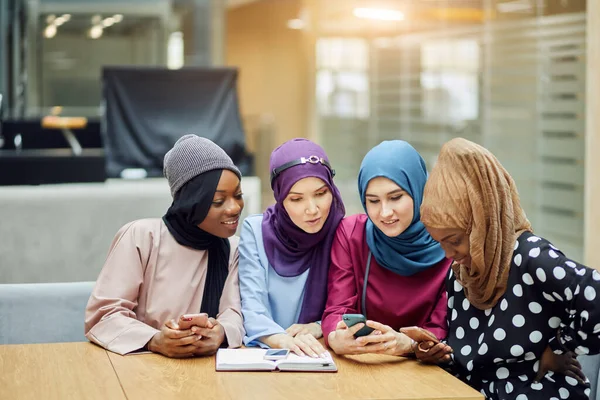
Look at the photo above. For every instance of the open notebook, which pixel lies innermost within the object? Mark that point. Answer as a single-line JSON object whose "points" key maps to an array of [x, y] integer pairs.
{"points": [[252, 360]]}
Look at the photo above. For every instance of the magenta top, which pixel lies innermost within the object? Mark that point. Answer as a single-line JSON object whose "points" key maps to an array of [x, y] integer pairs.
{"points": [[392, 299]]}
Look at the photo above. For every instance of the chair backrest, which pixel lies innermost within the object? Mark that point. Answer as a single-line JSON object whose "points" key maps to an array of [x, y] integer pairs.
{"points": [[43, 312], [591, 369]]}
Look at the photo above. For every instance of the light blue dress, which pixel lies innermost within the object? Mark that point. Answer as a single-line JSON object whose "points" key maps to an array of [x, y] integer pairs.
{"points": [[270, 303]]}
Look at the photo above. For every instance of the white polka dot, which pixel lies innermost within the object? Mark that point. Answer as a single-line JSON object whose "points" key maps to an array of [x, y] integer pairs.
{"points": [[474, 323], [487, 312], [503, 305], [466, 304], [552, 254], [548, 297], [527, 279], [537, 386], [533, 239], [529, 356], [568, 294], [483, 349], [480, 340], [516, 245], [460, 332], [589, 293], [536, 366], [521, 397], [516, 350], [498, 360], [587, 392], [518, 290], [535, 308], [570, 264], [502, 373], [451, 302], [457, 286], [509, 387], [582, 350], [585, 315], [535, 336], [580, 272], [518, 320], [583, 335], [571, 381], [466, 350], [470, 365], [596, 328], [518, 259], [492, 387], [454, 314], [491, 321], [577, 289], [524, 378], [559, 272], [533, 253], [563, 393], [541, 274], [558, 296], [554, 322], [499, 334], [595, 275]]}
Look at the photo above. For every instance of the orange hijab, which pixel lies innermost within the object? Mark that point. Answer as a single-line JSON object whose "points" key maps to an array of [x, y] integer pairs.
{"points": [[469, 189]]}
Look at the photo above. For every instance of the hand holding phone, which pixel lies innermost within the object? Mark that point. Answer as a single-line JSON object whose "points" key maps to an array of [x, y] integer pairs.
{"points": [[276, 354], [186, 321], [353, 319]]}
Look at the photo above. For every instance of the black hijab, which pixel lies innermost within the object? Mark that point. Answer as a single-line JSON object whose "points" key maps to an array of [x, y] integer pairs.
{"points": [[190, 206]]}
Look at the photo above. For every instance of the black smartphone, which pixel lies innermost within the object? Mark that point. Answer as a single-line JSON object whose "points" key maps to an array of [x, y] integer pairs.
{"points": [[353, 319]]}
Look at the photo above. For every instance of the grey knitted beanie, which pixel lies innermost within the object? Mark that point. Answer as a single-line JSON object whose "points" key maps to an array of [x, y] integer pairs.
{"points": [[191, 156]]}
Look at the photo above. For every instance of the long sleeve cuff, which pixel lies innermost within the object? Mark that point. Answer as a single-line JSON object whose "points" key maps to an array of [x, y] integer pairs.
{"points": [[131, 339]]}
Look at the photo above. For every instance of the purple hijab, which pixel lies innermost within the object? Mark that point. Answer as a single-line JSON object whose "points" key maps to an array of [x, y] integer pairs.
{"points": [[290, 250]]}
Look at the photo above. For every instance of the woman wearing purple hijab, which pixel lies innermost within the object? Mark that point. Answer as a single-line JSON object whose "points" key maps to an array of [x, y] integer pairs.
{"points": [[285, 252]]}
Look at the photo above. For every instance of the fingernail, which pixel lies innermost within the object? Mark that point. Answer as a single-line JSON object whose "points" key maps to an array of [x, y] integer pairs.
{"points": [[194, 329], [198, 337]]}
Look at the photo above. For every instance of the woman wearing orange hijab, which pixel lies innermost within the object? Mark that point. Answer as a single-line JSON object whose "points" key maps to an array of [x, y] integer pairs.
{"points": [[513, 297]]}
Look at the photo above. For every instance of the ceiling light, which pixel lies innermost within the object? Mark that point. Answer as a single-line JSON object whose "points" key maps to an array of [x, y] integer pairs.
{"points": [[66, 17], [59, 21], [96, 19], [381, 14], [50, 18], [50, 31], [110, 21], [118, 18], [96, 31], [296, 23]]}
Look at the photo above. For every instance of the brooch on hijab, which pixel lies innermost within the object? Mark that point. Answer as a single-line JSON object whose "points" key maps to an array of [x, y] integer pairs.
{"points": [[301, 160]]}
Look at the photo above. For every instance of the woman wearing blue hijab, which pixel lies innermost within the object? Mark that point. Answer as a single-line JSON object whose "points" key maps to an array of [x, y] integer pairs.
{"points": [[384, 264]]}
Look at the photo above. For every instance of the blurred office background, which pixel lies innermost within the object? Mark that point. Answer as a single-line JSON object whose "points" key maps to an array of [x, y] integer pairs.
{"points": [[511, 75]]}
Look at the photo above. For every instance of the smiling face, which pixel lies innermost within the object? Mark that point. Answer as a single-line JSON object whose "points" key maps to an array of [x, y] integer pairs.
{"points": [[308, 204], [224, 213], [389, 206], [455, 242]]}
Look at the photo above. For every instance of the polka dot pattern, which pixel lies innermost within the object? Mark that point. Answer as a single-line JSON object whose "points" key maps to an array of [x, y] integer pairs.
{"points": [[495, 346]]}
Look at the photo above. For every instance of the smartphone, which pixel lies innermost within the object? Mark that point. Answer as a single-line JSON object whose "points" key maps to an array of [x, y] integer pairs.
{"points": [[353, 319], [186, 321], [276, 354]]}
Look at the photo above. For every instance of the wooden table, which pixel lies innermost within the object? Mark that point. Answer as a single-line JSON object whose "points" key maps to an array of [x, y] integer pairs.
{"points": [[83, 370], [358, 377], [57, 371]]}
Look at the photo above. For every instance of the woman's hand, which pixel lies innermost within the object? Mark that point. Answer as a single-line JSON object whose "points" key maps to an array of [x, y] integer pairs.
{"points": [[313, 329], [387, 342], [212, 335], [564, 364], [427, 347], [342, 340], [174, 343], [301, 344]]}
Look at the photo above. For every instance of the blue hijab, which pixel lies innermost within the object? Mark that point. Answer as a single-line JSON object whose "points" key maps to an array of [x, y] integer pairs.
{"points": [[413, 250]]}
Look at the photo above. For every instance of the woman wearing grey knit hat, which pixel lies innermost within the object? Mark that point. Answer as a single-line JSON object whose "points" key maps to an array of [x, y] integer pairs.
{"points": [[159, 272]]}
